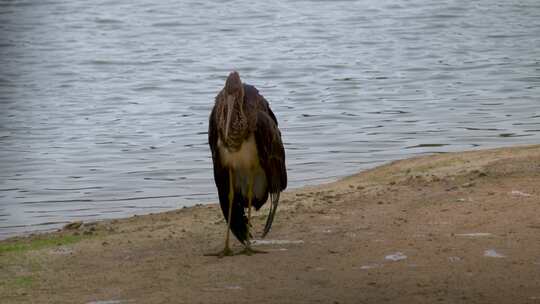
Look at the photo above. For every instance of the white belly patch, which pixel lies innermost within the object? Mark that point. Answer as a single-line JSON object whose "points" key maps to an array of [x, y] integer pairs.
{"points": [[245, 162], [246, 158]]}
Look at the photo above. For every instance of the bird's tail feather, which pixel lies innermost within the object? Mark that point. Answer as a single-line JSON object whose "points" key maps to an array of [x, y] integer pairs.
{"points": [[274, 200]]}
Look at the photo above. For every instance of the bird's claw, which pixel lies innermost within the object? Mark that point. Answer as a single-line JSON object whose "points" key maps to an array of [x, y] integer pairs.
{"points": [[223, 253]]}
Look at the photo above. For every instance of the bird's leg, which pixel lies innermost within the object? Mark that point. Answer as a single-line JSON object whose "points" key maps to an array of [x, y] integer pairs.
{"points": [[227, 251], [248, 250]]}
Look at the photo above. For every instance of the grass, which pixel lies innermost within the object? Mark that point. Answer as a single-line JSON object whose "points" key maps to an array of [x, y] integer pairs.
{"points": [[36, 244], [23, 282], [15, 285]]}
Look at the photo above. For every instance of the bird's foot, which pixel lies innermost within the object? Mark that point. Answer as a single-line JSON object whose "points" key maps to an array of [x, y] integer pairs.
{"points": [[223, 253], [250, 251]]}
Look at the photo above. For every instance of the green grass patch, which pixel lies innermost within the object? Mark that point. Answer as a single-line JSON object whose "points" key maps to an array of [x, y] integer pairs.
{"points": [[23, 282], [36, 244]]}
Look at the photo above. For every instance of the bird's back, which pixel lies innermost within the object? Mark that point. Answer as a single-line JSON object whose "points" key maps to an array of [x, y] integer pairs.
{"points": [[256, 101]]}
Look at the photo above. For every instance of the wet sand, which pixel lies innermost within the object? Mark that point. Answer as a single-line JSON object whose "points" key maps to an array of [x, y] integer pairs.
{"points": [[449, 228]]}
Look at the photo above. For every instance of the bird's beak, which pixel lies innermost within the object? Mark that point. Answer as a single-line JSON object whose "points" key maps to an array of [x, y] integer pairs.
{"points": [[230, 104]]}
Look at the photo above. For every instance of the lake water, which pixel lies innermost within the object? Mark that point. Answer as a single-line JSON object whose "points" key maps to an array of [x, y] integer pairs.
{"points": [[104, 104]]}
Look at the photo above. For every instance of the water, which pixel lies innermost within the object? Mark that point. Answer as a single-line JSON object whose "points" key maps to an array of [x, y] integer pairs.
{"points": [[104, 104]]}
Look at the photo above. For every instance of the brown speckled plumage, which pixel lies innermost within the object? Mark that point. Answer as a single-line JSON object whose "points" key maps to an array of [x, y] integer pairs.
{"points": [[246, 143], [244, 114]]}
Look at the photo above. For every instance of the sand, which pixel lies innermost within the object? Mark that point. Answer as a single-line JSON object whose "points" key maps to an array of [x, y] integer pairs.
{"points": [[449, 228]]}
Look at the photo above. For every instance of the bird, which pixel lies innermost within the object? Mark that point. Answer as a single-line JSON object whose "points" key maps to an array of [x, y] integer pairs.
{"points": [[248, 159]]}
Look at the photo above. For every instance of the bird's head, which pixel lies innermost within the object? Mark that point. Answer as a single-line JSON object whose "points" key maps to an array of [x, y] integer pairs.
{"points": [[234, 97], [233, 86]]}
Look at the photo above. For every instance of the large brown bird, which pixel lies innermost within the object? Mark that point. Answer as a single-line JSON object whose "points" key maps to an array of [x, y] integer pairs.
{"points": [[248, 156]]}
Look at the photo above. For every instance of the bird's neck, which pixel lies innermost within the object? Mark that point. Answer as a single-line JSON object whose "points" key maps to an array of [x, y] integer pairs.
{"points": [[237, 129]]}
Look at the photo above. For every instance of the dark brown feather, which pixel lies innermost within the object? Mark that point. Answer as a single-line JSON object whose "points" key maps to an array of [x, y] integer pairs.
{"points": [[251, 116]]}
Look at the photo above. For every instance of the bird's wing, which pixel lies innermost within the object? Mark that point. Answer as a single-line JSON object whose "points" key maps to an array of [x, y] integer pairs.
{"points": [[272, 160], [212, 132], [270, 113], [221, 178]]}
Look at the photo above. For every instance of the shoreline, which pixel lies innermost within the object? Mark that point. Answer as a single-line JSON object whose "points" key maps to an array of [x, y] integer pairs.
{"points": [[324, 181], [446, 227]]}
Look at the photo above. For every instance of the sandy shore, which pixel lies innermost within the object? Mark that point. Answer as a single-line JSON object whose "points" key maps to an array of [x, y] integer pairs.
{"points": [[450, 228]]}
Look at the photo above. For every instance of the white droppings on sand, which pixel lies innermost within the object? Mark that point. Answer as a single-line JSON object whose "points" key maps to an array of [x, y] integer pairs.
{"points": [[493, 254], [398, 256], [520, 193], [233, 287], [276, 242], [474, 234], [62, 250], [369, 266], [454, 259], [350, 234]]}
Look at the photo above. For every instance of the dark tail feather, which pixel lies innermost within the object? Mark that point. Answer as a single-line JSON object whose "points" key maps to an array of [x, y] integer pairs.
{"points": [[274, 198]]}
